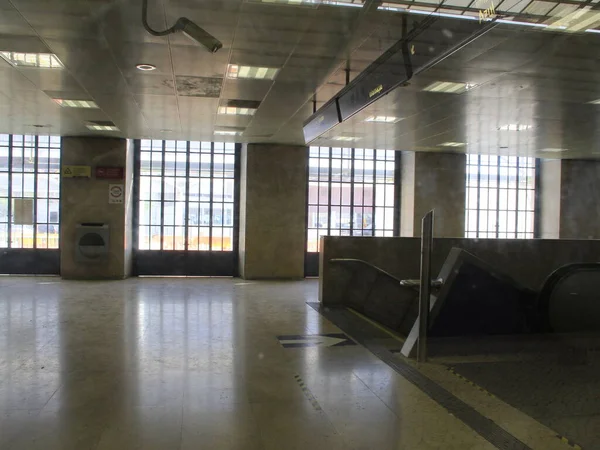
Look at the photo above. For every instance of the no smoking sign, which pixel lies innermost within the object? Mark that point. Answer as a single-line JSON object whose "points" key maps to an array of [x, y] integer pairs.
{"points": [[116, 192]]}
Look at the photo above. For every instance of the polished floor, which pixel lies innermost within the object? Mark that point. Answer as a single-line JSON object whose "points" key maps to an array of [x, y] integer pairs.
{"points": [[195, 364]]}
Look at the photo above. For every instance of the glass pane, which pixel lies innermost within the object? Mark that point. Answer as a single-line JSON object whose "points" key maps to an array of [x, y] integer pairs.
{"points": [[313, 193], [144, 214], [204, 239], [227, 239], [217, 239], [193, 238]]}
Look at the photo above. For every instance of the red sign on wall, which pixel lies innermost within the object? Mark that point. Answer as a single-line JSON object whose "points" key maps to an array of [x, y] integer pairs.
{"points": [[110, 173]]}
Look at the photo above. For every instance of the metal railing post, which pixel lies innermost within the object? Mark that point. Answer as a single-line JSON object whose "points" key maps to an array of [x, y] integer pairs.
{"points": [[425, 290]]}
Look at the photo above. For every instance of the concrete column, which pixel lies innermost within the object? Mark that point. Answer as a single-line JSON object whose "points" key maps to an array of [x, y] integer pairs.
{"points": [[433, 181], [86, 200], [570, 196], [272, 211]]}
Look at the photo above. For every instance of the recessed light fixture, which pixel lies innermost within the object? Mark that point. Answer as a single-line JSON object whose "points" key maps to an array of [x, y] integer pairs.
{"points": [[515, 127], [145, 67], [166, 130], [595, 102], [449, 87], [257, 73], [346, 138], [94, 127], [235, 111], [75, 103], [453, 144], [41, 60], [383, 119], [226, 133]]}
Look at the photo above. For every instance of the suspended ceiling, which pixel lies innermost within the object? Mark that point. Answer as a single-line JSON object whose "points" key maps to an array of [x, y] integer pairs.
{"points": [[538, 78]]}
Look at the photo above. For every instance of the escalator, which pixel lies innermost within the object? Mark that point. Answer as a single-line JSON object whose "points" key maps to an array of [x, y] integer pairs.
{"points": [[474, 299]]}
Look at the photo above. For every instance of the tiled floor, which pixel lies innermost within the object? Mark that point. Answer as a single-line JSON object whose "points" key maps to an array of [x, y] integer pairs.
{"points": [[195, 364]]}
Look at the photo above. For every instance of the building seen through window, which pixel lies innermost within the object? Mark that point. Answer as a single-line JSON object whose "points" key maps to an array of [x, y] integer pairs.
{"points": [[350, 193], [500, 199]]}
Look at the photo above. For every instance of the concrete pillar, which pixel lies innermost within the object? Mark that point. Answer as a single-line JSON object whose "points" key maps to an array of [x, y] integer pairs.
{"points": [[433, 181], [86, 200], [569, 199], [272, 211]]}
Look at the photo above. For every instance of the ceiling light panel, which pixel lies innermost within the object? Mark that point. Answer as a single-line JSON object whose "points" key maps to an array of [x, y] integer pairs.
{"points": [[383, 119], [41, 60], [75, 103], [515, 127], [346, 138], [94, 127], [226, 133], [449, 87], [257, 73], [595, 102], [235, 111], [453, 144]]}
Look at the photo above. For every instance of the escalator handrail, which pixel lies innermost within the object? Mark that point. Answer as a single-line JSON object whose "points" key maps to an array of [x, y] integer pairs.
{"points": [[366, 263], [554, 280]]}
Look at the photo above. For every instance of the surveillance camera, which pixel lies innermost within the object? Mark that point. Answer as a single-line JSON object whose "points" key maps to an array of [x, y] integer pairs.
{"points": [[194, 32]]}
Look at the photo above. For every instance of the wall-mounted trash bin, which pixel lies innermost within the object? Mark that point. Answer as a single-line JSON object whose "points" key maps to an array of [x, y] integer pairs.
{"points": [[92, 242]]}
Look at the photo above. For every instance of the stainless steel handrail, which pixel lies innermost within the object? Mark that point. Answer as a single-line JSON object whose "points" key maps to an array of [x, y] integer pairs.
{"points": [[366, 263]]}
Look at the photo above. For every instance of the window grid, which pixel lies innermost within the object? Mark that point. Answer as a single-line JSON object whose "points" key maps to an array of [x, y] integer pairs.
{"points": [[186, 196], [29, 191], [350, 193], [500, 198]]}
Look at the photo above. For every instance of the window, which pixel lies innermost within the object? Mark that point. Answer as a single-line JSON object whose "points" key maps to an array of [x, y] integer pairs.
{"points": [[500, 197], [350, 193], [29, 191], [186, 196]]}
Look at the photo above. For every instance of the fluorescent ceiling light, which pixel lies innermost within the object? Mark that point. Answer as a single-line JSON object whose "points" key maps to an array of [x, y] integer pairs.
{"points": [[75, 103], [595, 102], [41, 60], [592, 31], [449, 87], [258, 73], [555, 150], [292, 2], [526, 24], [346, 138], [453, 144], [234, 111], [383, 119], [226, 133], [350, 3], [101, 127], [515, 127]]}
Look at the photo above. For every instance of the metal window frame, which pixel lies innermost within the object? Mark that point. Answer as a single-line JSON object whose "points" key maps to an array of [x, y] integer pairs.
{"points": [[517, 189], [190, 261], [211, 201], [36, 197], [395, 225]]}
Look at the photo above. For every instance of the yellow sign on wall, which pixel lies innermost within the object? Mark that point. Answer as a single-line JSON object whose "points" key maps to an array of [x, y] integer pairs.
{"points": [[76, 171]]}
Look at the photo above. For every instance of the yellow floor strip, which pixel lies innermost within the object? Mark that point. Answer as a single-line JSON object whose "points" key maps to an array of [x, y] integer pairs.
{"points": [[564, 440], [466, 380], [378, 326]]}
